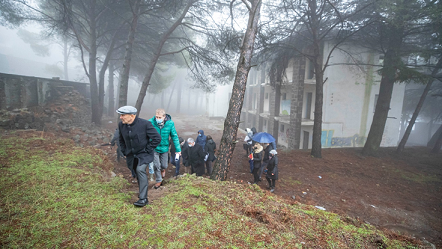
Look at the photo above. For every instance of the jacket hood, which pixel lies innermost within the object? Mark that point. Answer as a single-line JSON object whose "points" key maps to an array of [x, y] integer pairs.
{"points": [[258, 148], [254, 130], [202, 132]]}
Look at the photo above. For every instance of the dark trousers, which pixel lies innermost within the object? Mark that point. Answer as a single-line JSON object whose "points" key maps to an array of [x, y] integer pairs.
{"points": [[198, 168], [271, 182], [261, 169], [256, 174], [140, 173], [208, 164], [177, 166]]}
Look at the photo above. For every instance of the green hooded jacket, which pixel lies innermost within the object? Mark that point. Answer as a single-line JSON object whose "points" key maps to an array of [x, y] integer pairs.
{"points": [[168, 129]]}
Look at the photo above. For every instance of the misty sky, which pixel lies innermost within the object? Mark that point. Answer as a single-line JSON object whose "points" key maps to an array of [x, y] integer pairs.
{"points": [[11, 44]]}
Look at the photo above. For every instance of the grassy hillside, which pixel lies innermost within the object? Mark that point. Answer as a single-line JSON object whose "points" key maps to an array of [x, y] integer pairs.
{"points": [[56, 195]]}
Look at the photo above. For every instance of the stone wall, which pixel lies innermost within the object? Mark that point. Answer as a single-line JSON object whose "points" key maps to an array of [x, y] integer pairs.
{"points": [[18, 91]]}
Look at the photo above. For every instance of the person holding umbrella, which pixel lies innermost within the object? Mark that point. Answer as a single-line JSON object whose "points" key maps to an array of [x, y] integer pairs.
{"points": [[257, 160]]}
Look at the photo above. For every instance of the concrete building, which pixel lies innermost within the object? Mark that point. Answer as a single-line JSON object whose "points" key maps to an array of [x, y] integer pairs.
{"points": [[350, 93]]}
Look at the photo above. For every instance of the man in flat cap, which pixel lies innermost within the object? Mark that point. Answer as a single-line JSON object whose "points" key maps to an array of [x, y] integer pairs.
{"points": [[138, 140]]}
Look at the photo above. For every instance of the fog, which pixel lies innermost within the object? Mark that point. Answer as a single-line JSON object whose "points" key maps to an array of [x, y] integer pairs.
{"points": [[17, 57]]}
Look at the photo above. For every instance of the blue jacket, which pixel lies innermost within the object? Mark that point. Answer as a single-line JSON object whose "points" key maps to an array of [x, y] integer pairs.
{"points": [[201, 140]]}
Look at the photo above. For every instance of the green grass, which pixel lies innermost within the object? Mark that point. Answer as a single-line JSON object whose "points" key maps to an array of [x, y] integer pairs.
{"points": [[418, 178], [55, 195]]}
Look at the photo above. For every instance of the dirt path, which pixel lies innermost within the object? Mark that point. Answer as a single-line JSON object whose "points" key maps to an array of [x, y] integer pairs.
{"points": [[399, 193]]}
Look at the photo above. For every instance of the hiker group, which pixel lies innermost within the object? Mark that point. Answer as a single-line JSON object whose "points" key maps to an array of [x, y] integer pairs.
{"points": [[261, 152], [146, 145]]}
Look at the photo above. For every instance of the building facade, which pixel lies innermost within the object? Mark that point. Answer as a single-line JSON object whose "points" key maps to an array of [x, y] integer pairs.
{"points": [[286, 109]]}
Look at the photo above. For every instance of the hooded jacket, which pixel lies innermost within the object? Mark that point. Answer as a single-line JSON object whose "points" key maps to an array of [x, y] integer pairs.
{"points": [[166, 130], [272, 168], [201, 140], [210, 148], [257, 155]]}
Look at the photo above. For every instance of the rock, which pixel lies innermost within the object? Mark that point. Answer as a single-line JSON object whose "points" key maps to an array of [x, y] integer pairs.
{"points": [[76, 138], [113, 174]]}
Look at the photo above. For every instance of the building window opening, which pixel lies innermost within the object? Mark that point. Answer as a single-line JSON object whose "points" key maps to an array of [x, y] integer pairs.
{"points": [[308, 105], [310, 70]]}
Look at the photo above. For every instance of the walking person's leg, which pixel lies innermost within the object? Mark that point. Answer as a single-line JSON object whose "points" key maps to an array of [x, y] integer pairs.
{"points": [[157, 169], [270, 182], [142, 185], [177, 167], [210, 167], [261, 170], [164, 161], [255, 175], [272, 188]]}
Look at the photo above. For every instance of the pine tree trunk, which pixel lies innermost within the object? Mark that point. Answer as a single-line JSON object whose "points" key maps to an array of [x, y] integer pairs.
{"points": [[170, 97], [391, 64], [438, 144], [319, 80], [65, 59], [317, 122], [404, 139], [95, 118], [178, 99], [156, 56], [125, 70], [110, 94], [228, 140]]}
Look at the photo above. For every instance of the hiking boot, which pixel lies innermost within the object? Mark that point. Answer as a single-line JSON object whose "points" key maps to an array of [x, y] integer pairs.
{"points": [[158, 185], [272, 190]]}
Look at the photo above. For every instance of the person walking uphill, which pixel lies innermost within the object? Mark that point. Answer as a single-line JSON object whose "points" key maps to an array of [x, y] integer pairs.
{"points": [[201, 139], [165, 126], [138, 140], [272, 170], [210, 148], [196, 157]]}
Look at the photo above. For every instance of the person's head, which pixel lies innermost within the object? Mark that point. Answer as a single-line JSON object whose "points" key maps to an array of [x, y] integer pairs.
{"points": [[160, 115], [127, 114], [209, 137], [190, 142]]}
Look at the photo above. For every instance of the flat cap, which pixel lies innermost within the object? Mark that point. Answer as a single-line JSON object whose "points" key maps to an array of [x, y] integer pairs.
{"points": [[127, 110]]}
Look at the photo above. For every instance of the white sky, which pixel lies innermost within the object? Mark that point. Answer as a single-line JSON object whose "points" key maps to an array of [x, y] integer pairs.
{"points": [[12, 45]]}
